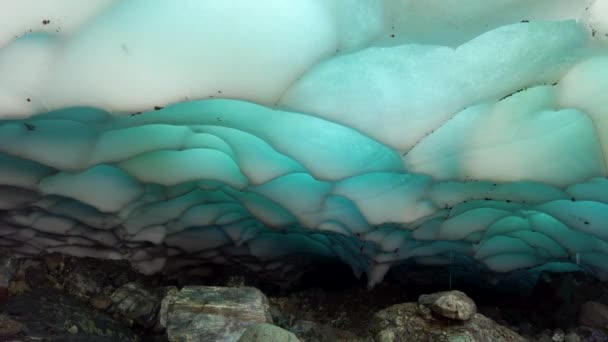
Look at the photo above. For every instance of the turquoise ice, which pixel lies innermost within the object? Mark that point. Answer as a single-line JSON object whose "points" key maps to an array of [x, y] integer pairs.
{"points": [[191, 133]]}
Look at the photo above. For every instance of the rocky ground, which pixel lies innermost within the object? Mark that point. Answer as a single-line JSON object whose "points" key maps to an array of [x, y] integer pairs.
{"points": [[57, 298]]}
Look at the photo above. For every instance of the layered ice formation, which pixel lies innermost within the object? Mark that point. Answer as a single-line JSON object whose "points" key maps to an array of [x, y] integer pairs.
{"points": [[235, 132]]}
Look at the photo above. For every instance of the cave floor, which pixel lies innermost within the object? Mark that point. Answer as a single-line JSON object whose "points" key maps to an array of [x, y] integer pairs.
{"points": [[57, 298]]}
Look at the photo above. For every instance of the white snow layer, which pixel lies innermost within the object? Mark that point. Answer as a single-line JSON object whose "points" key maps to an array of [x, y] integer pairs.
{"points": [[180, 133]]}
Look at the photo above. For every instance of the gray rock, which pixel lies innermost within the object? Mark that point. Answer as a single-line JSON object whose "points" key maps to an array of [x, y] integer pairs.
{"points": [[73, 330], [170, 293], [8, 269], [265, 332], [411, 322], [593, 314], [547, 335], [135, 304], [558, 336], [209, 313], [572, 337], [450, 304]]}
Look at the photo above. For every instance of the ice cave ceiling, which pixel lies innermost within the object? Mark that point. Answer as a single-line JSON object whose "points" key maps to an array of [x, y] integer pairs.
{"points": [[193, 132]]}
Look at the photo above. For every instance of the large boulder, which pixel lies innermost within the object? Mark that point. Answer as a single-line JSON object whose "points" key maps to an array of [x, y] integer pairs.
{"points": [[209, 313], [438, 318]]}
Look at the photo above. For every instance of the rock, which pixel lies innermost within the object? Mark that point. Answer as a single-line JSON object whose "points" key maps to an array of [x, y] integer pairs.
{"points": [[307, 330], [86, 278], [558, 336], [234, 281], [8, 269], [209, 313], [135, 304], [450, 304], [82, 285], [101, 302], [9, 327], [386, 335], [313, 332], [406, 322], [51, 315], [17, 287], [73, 330], [572, 337], [279, 318], [265, 332], [543, 337], [19, 283], [171, 293], [593, 314]]}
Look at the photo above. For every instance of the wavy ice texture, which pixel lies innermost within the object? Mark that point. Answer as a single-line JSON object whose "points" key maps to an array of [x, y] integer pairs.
{"points": [[185, 133]]}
